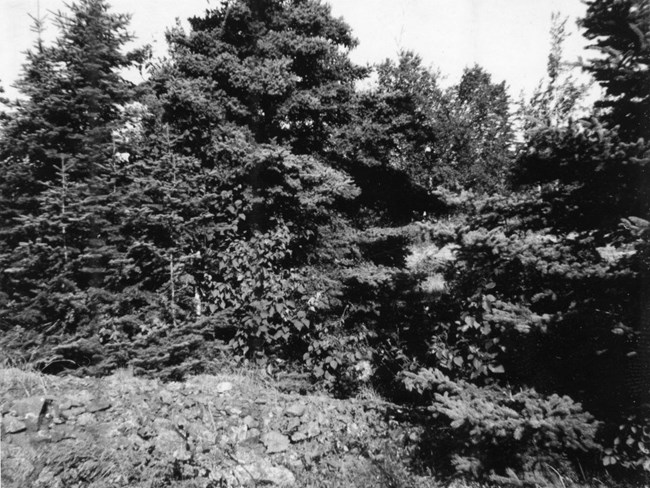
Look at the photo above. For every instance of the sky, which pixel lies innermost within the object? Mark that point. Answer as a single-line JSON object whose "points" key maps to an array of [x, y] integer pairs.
{"points": [[509, 38]]}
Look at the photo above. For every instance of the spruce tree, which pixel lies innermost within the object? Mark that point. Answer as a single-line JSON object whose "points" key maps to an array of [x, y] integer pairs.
{"points": [[278, 70], [60, 173], [620, 31]]}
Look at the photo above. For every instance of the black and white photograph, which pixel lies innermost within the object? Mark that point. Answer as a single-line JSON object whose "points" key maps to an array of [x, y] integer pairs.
{"points": [[325, 243]]}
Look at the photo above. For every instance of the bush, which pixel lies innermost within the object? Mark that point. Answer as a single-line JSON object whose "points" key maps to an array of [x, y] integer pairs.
{"points": [[480, 431], [630, 448]]}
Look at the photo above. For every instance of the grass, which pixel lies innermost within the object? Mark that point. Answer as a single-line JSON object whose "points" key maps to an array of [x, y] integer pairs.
{"points": [[25, 381]]}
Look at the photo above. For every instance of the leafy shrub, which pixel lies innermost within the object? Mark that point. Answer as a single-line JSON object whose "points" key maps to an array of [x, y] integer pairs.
{"points": [[630, 448]]}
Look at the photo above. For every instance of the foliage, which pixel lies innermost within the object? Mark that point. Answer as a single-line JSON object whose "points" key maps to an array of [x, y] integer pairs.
{"points": [[479, 131], [560, 97], [253, 199], [61, 213], [629, 447], [274, 71], [620, 32], [488, 430], [408, 125]]}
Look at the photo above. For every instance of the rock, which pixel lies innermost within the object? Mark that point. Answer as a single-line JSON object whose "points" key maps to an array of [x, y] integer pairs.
{"points": [[83, 397], [13, 425], [62, 434], [253, 433], [263, 472], [145, 432], [224, 386], [30, 407], [275, 442], [311, 430], [170, 444], [234, 411], [238, 433], [74, 412], [293, 425], [41, 437], [296, 410], [97, 406], [250, 422], [65, 405], [166, 397], [85, 419], [69, 403]]}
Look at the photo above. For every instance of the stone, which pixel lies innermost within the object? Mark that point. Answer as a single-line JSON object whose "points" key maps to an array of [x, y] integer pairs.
{"points": [[253, 433], [238, 433], [59, 435], [275, 442], [74, 412], [234, 411], [170, 444], [264, 473], [307, 432], [97, 406], [224, 386], [13, 425], [293, 424], [166, 397], [69, 403], [296, 410], [41, 437], [82, 397], [85, 419], [30, 407], [250, 422]]}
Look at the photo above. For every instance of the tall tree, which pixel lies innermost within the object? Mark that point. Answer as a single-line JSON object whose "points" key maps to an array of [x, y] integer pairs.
{"points": [[560, 97], [60, 175], [479, 132], [620, 31], [279, 70]]}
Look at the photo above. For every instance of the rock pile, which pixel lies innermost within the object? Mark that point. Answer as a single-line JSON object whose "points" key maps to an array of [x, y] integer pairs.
{"points": [[209, 432]]}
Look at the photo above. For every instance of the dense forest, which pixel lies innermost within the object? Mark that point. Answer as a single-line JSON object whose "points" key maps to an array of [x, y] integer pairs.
{"points": [[481, 259]]}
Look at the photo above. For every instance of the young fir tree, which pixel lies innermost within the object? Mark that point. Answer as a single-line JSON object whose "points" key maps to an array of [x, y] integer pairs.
{"points": [[589, 180], [60, 173]]}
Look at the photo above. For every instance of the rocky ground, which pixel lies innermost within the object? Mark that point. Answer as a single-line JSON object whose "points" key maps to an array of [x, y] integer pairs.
{"points": [[210, 431]]}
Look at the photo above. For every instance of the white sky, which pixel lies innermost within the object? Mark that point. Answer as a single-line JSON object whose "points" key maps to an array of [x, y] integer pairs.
{"points": [[507, 37]]}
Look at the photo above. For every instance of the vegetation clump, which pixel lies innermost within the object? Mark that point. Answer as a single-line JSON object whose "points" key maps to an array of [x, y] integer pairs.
{"points": [[487, 271]]}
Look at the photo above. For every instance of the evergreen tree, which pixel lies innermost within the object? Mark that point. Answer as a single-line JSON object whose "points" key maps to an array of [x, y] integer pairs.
{"points": [[60, 175], [620, 31], [278, 70]]}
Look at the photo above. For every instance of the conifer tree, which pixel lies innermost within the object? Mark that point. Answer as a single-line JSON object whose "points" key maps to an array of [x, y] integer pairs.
{"points": [[620, 31], [59, 169], [278, 70]]}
